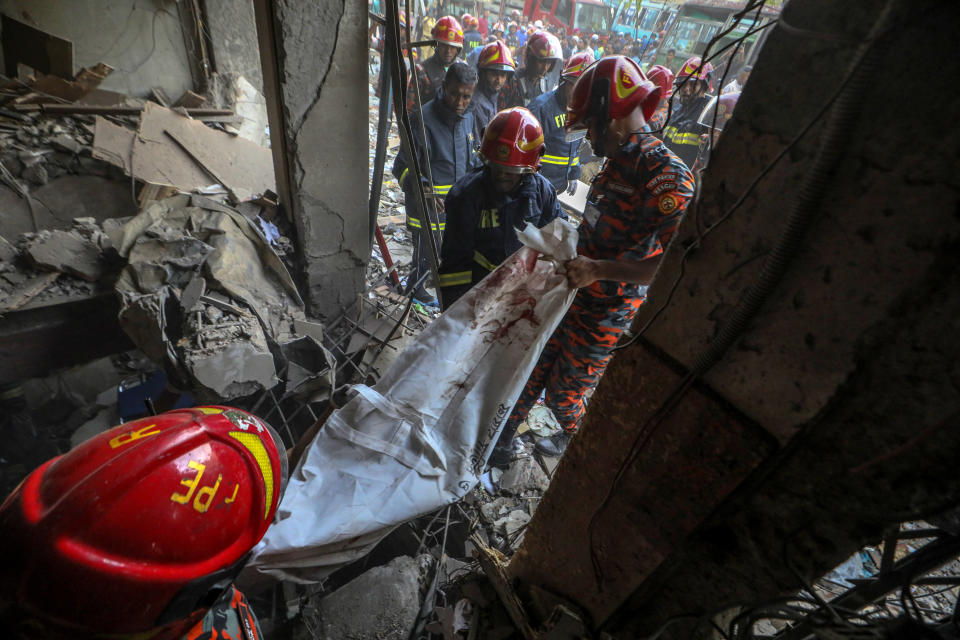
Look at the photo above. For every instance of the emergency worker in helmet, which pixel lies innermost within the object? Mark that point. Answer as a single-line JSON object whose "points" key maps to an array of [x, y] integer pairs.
{"points": [[713, 118], [139, 532], [633, 208], [561, 161], [430, 73], [663, 78], [541, 54], [485, 208], [449, 144], [683, 132], [495, 65], [471, 33]]}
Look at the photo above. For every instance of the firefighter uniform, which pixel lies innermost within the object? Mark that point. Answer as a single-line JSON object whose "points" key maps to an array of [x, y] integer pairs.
{"points": [[634, 207], [561, 161], [449, 144], [519, 91], [483, 105], [482, 224], [682, 135], [472, 39], [659, 119]]}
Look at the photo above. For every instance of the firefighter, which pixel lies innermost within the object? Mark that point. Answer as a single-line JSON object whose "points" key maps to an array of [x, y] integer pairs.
{"points": [[430, 74], [683, 132], [541, 54], [471, 34], [140, 531], [495, 66], [561, 161], [663, 78], [512, 38], [449, 144], [486, 207], [633, 209]]}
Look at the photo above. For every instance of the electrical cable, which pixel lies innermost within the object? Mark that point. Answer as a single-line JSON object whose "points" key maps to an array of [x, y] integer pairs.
{"points": [[803, 212]]}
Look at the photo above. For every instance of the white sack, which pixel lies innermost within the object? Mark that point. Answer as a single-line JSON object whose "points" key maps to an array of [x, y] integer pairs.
{"points": [[420, 437]]}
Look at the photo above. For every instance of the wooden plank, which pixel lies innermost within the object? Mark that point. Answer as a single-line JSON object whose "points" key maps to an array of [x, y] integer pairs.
{"points": [[494, 566]]}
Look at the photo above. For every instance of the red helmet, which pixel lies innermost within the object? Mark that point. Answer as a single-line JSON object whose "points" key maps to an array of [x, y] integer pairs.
{"points": [[544, 45], [577, 64], [496, 56], [140, 528], [693, 67], [513, 141], [625, 86], [465, 20], [448, 31], [403, 18], [663, 78]]}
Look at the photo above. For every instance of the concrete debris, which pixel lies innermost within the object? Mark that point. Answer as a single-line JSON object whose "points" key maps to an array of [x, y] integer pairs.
{"points": [[66, 251], [231, 330], [7, 251], [512, 523], [524, 475], [381, 604], [174, 150]]}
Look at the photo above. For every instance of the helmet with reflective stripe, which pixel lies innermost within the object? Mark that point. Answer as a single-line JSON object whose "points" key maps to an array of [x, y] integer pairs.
{"points": [[496, 56], [448, 31], [403, 18], [141, 528], [693, 67], [465, 20], [610, 89], [663, 78], [544, 45], [577, 64], [513, 141]]}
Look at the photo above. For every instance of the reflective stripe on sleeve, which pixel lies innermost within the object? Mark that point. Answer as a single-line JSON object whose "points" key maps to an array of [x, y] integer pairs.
{"points": [[481, 260], [558, 160], [454, 279], [404, 175], [442, 189], [415, 223]]}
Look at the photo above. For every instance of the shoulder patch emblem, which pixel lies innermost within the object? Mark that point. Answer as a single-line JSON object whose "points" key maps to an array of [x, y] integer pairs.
{"points": [[667, 204]]}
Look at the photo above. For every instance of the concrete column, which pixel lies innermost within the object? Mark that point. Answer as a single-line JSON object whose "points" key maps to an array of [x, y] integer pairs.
{"points": [[835, 412], [314, 60]]}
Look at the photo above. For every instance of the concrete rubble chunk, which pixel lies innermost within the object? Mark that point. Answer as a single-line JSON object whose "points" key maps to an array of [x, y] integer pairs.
{"points": [[524, 474], [7, 251], [512, 522], [65, 142], [381, 604], [68, 252]]}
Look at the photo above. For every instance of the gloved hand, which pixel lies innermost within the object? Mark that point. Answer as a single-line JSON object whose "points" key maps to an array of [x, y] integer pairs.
{"points": [[572, 187]]}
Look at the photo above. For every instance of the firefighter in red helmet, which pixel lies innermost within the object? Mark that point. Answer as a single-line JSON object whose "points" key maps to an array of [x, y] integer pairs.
{"points": [[140, 531], [633, 208], [430, 74], [486, 207], [683, 132], [495, 65], [561, 162], [541, 53], [663, 78]]}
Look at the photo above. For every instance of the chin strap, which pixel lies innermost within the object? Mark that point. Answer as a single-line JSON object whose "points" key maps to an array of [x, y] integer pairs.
{"points": [[600, 112]]}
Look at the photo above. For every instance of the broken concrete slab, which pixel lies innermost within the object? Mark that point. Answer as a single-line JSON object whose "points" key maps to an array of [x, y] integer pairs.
{"points": [[236, 370], [524, 475], [8, 252], [381, 604], [74, 196], [68, 252], [513, 522]]}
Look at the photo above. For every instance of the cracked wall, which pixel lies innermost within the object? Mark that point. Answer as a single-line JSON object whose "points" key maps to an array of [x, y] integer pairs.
{"points": [[322, 74], [852, 356]]}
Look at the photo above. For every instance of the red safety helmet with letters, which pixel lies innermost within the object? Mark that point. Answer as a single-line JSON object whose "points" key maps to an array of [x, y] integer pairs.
{"points": [[448, 31], [663, 78], [140, 529], [513, 141], [496, 57], [576, 65]]}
